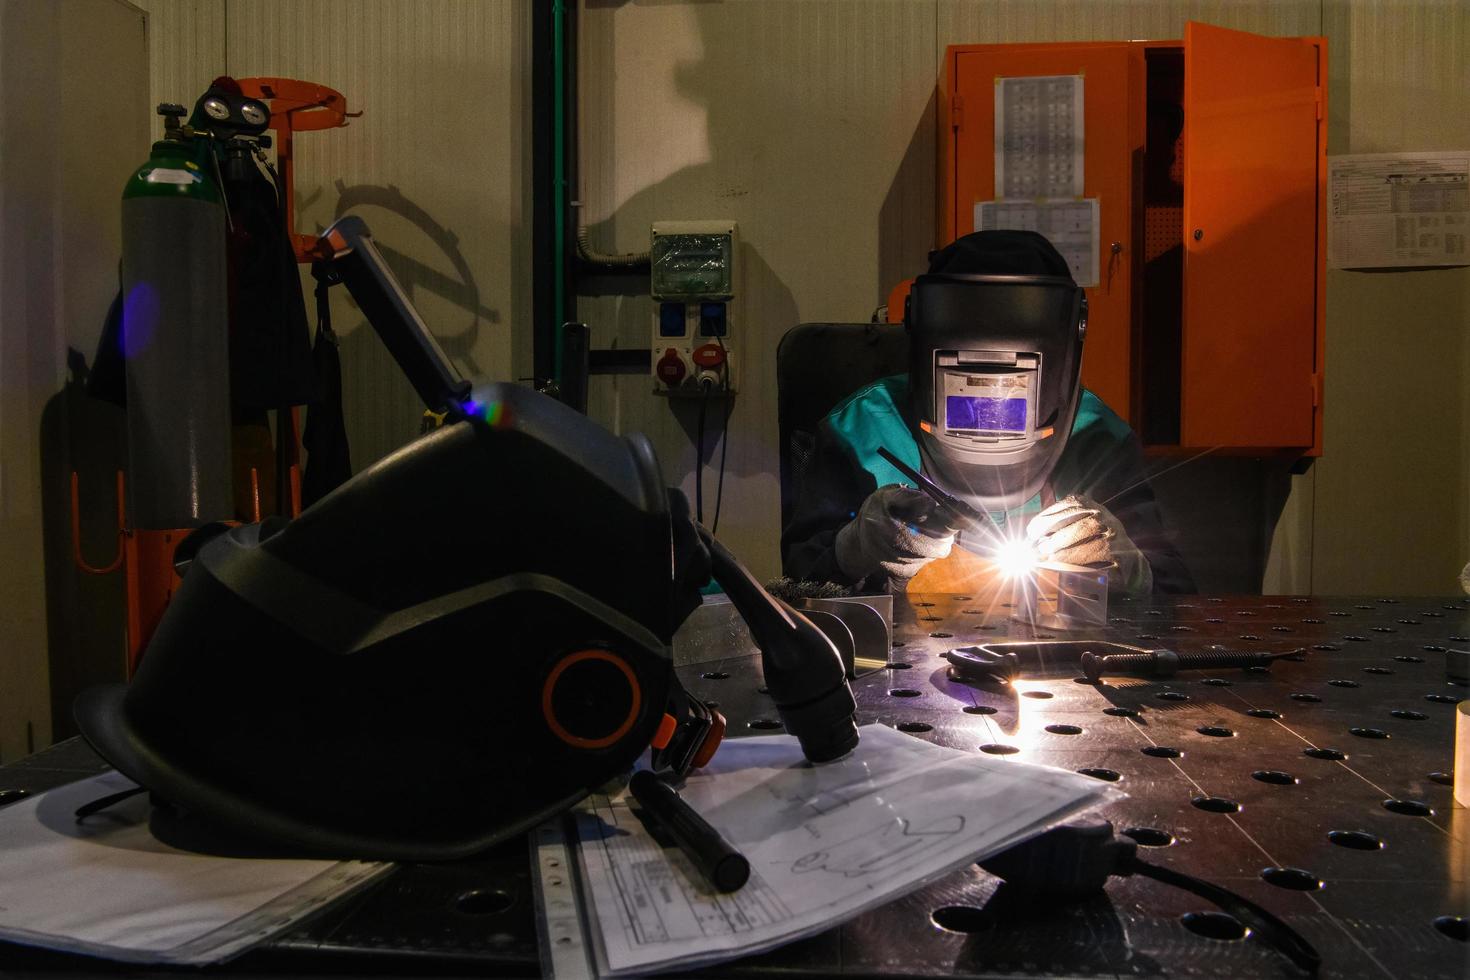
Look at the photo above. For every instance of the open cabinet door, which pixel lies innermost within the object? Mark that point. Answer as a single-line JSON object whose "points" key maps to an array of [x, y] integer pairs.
{"points": [[1250, 233]]}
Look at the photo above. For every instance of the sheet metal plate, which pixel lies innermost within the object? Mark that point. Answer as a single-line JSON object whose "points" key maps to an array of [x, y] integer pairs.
{"points": [[1369, 666]]}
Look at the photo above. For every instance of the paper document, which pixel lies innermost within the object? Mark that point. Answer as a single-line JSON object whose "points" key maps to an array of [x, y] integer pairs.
{"points": [[1399, 209], [825, 843], [1070, 225], [1038, 136], [108, 887]]}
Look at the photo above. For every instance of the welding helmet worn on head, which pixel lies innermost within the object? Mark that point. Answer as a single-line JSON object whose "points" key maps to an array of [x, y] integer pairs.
{"points": [[995, 332], [451, 647]]}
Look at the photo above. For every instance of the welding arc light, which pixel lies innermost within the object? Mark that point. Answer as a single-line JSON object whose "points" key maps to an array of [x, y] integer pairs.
{"points": [[1014, 557]]}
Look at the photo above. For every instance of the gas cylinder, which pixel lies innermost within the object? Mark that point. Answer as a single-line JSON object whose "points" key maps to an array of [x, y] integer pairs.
{"points": [[175, 338]]}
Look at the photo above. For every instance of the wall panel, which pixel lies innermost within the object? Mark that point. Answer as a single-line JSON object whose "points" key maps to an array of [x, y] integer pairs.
{"points": [[186, 49], [1393, 487], [812, 125], [434, 165], [60, 228]]}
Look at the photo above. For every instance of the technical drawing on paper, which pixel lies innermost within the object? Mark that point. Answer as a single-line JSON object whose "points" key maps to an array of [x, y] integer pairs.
{"points": [[880, 848]]}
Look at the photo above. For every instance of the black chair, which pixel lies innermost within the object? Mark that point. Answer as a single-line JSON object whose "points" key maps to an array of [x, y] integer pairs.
{"points": [[818, 365]]}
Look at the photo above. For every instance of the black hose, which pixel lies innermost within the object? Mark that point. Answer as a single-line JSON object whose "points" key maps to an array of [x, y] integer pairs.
{"points": [[1275, 933]]}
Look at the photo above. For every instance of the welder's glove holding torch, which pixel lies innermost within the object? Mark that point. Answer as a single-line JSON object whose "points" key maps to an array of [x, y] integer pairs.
{"points": [[898, 531], [1079, 531]]}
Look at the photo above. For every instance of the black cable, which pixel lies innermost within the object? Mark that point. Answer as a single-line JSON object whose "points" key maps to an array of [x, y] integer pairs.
{"points": [[699, 455], [1275, 933], [724, 438], [98, 805], [724, 448]]}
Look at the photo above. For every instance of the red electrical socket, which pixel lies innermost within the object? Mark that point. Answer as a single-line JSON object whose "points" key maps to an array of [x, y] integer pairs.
{"points": [[670, 368], [711, 357]]}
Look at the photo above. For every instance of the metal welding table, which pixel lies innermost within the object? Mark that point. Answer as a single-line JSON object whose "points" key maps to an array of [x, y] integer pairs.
{"points": [[1332, 770]]}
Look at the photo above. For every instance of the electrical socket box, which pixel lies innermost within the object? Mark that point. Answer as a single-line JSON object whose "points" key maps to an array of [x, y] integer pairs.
{"points": [[692, 281]]}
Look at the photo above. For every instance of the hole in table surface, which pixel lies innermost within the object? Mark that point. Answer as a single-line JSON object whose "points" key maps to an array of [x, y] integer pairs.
{"points": [[1214, 925], [1064, 729], [1121, 712], [1326, 647], [1404, 658], [1443, 778], [995, 748], [715, 675], [904, 692], [962, 919], [1037, 695], [1149, 836], [1344, 683], [1369, 732], [1443, 698], [1306, 698], [1331, 755], [1293, 878], [1215, 731], [8, 796], [941, 636], [1263, 713], [914, 727], [484, 901], [1172, 696], [765, 724], [1378, 670], [1215, 682], [1454, 926], [1161, 752], [1408, 808], [979, 709], [1106, 775], [1215, 804], [1357, 840], [897, 665], [1275, 777], [1407, 715]]}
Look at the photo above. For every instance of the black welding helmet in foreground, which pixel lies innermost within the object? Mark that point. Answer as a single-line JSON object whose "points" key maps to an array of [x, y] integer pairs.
{"points": [[995, 331], [447, 649]]}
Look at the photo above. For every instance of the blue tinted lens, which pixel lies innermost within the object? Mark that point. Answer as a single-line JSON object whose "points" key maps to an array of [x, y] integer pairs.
{"points": [[986, 414]]}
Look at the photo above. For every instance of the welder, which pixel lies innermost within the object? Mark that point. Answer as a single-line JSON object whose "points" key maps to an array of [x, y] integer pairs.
{"points": [[992, 410]]}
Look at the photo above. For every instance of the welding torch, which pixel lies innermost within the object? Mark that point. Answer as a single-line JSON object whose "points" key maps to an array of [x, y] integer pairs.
{"points": [[957, 515]]}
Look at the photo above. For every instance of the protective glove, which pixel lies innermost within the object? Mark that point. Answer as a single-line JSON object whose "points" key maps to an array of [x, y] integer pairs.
{"points": [[1080, 531], [897, 531]]}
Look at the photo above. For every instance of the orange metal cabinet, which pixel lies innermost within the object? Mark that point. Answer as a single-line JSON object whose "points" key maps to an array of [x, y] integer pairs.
{"points": [[1206, 324]]}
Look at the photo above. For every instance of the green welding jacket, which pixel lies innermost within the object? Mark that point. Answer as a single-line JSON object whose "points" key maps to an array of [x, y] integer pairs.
{"points": [[1101, 461]]}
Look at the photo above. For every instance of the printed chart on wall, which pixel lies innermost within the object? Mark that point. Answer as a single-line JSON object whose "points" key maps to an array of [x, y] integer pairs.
{"points": [[1038, 137], [1070, 225], [1399, 209]]}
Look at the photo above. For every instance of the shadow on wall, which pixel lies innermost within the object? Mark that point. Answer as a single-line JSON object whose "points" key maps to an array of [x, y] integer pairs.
{"points": [[381, 407], [906, 221], [85, 614], [780, 158], [726, 185]]}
